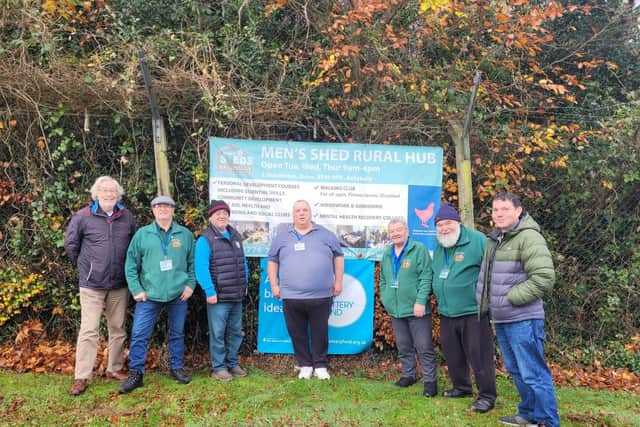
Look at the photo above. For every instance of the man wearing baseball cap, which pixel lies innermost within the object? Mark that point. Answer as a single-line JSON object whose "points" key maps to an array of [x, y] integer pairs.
{"points": [[466, 339], [159, 272], [221, 271]]}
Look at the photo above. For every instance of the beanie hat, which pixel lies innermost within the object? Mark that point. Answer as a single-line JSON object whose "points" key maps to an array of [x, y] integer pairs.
{"points": [[216, 205], [447, 212]]}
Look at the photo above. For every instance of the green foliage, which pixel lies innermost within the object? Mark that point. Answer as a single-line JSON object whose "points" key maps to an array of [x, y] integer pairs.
{"points": [[18, 290]]}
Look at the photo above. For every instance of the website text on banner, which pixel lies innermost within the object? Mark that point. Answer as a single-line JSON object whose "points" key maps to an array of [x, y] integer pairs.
{"points": [[353, 189], [350, 323]]}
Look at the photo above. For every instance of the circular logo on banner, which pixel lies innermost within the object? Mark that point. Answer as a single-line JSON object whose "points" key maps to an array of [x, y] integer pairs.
{"points": [[349, 305]]}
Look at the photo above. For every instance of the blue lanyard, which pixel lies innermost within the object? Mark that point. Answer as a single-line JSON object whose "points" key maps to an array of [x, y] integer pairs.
{"points": [[298, 236], [164, 243], [446, 256], [397, 259]]}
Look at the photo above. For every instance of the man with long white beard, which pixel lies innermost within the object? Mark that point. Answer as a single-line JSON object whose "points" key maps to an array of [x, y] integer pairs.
{"points": [[465, 339]]}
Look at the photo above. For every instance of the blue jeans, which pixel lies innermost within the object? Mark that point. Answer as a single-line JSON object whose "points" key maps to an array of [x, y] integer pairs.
{"points": [[144, 320], [225, 334], [521, 347]]}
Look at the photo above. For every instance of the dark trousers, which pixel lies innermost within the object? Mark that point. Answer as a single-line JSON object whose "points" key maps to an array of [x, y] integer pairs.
{"points": [[468, 341], [413, 335], [309, 315]]}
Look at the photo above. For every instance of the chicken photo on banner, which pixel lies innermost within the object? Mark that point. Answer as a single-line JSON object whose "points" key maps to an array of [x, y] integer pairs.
{"points": [[425, 214], [423, 202]]}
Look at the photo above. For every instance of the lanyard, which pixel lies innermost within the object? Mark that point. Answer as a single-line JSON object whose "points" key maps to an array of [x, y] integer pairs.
{"points": [[298, 236], [446, 257], [397, 259], [164, 243]]}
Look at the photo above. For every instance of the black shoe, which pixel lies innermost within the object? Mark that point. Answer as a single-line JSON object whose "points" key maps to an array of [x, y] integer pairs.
{"points": [[131, 383], [430, 389], [405, 381], [180, 375], [482, 406], [455, 392], [517, 420]]}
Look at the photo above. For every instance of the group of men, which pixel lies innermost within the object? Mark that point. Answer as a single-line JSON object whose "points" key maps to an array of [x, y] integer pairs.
{"points": [[158, 264], [476, 281]]}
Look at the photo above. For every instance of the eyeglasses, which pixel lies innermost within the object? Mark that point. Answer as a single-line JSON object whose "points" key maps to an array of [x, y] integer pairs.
{"points": [[107, 191]]}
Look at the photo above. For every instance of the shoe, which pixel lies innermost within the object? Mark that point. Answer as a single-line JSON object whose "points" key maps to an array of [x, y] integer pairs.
{"points": [[237, 371], [517, 420], [405, 381], [180, 376], [482, 406], [117, 375], [133, 381], [223, 375], [305, 372], [321, 374], [430, 389], [78, 387], [456, 393]]}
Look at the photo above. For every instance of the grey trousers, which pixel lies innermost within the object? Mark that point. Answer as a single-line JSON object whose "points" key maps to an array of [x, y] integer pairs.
{"points": [[413, 335]]}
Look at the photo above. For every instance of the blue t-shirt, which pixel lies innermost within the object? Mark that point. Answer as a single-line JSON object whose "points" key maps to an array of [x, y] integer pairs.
{"points": [[305, 262]]}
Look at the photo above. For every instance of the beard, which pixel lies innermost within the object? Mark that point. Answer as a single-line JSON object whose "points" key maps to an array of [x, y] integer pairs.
{"points": [[448, 240]]}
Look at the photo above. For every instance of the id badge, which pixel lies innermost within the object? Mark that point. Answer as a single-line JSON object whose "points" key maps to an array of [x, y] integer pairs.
{"points": [[299, 246], [394, 284], [166, 265], [444, 273]]}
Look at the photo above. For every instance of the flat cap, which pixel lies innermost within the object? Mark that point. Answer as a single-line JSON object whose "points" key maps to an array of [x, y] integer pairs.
{"points": [[163, 200]]}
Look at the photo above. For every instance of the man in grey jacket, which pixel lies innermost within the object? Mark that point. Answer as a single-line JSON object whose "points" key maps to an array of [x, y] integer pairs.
{"points": [[516, 272], [96, 242]]}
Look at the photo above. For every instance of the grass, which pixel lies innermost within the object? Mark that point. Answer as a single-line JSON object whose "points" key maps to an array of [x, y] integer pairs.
{"points": [[263, 399]]}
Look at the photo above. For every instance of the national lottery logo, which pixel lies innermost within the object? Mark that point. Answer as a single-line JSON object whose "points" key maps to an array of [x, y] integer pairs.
{"points": [[232, 159], [349, 305]]}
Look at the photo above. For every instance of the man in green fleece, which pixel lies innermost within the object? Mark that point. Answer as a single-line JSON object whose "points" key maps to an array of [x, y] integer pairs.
{"points": [[160, 273], [405, 279], [466, 340]]}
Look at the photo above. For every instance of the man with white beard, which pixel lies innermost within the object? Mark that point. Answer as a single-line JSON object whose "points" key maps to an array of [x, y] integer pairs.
{"points": [[466, 340]]}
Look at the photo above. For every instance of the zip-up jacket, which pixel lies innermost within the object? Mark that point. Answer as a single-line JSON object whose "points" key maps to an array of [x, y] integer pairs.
{"points": [[456, 294], [516, 272], [143, 269], [97, 245], [414, 280]]}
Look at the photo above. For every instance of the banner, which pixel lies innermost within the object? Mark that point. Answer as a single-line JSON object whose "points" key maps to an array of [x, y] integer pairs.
{"points": [[353, 189], [350, 323]]}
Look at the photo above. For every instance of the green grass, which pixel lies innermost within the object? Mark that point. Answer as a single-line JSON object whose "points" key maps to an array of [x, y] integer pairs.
{"points": [[266, 400]]}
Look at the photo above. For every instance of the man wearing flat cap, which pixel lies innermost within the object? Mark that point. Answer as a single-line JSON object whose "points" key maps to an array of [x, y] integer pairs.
{"points": [[159, 272], [466, 339], [221, 271]]}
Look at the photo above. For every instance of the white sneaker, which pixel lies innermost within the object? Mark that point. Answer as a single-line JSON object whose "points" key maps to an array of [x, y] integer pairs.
{"points": [[322, 374], [305, 372]]}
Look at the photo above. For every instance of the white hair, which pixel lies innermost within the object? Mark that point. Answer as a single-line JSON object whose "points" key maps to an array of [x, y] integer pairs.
{"points": [[100, 180]]}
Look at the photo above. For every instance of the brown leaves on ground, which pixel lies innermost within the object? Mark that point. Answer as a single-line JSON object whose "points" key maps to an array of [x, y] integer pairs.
{"points": [[32, 351]]}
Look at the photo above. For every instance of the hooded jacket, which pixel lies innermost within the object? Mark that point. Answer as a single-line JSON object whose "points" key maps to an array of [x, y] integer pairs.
{"points": [[516, 272]]}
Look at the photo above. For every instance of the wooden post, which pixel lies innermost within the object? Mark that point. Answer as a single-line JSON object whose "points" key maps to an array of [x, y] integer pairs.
{"points": [[460, 135], [463, 166], [159, 135]]}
